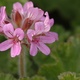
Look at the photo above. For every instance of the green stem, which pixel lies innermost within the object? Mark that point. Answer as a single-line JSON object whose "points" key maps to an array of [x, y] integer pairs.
{"points": [[22, 67]]}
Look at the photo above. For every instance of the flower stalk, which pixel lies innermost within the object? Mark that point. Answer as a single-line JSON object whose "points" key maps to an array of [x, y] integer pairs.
{"points": [[22, 66]]}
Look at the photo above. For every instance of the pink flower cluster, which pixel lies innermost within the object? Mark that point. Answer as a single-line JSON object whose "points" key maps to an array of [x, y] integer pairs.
{"points": [[28, 25]]}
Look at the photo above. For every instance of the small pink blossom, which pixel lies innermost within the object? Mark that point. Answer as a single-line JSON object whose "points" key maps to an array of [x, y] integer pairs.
{"points": [[14, 40], [28, 25], [26, 16], [38, 38]]}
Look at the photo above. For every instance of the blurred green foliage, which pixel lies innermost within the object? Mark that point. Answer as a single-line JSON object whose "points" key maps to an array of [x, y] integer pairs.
{"points": [[65, 53], [35, 78], [68, 76], [6, 77]]}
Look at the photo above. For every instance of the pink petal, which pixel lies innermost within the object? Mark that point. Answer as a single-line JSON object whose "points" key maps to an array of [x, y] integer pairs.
{"points": [[33, 49], [52, 34], [46, 39], [30, 34], [47, 28], [8, 30], [19, 33], [51, 22], [27, 5], [48, 22], [40, 14], [2, 13], [43, 48], [5, 45], [47, 14], [18, 7], [49, 37], [32, 13], [39, 27], [15, 49], [46, 18]]}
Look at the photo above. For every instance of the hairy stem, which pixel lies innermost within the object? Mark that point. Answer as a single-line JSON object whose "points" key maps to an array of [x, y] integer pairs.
{"points": [[22, 67]]}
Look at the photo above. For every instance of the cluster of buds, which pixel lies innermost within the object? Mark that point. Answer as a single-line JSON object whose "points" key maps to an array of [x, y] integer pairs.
{"points": [[27, 25]]}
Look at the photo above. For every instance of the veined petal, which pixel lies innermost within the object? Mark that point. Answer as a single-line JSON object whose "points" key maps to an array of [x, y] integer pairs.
{"points": [[8, 30], [15, 49], [49, 37], [6, 45], [46, 39], [39, 27], [40, 14], [33, 49], [27, 5], [32, 13], [19, 33], [18, 7], [43, 48], [30, 34], [52, 34]]}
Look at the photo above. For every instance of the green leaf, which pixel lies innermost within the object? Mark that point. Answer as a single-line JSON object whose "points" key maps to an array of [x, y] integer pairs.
{"points": [[69, 54], [41, 59], [66, 55], [25, 78], [68, 76], [34, 78], [51, 71], [37, 78], [6, 77]]}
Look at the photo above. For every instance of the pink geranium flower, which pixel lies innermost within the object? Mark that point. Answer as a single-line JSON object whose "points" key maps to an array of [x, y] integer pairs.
{"points": [[28, 25], [14, 40], [26, 16], [38, 38]]}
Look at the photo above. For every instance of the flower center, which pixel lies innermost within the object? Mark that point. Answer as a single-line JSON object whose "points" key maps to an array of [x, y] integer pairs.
{"points": [[35, 40], [15, 39]]}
